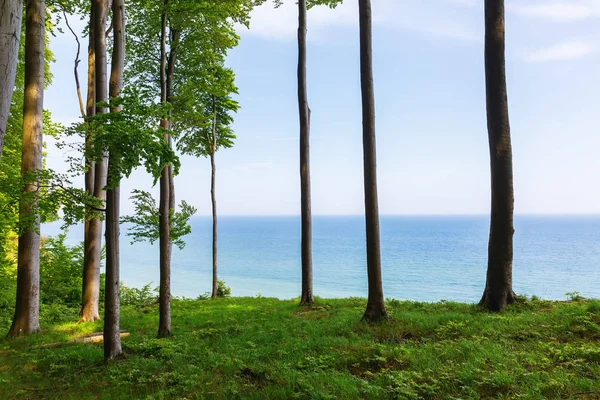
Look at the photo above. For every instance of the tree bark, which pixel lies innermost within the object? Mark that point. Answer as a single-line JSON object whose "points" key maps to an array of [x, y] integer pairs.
{"points": [[164, 300], [93, 247], [26, 318], [305, 197], [112, 338], [498, 291], [375, 304], [91, 271], [11, 13], [213, 197]]}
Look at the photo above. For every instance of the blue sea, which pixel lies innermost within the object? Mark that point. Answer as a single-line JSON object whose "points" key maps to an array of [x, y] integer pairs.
{"points": [[424, 258]]}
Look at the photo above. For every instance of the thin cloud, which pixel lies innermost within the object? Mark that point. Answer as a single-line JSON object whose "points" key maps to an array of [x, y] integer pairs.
{"points": [[559, 11], [571, 50]]}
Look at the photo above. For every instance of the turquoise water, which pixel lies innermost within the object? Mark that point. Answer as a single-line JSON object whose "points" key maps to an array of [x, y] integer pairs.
{"points": [[428, 258]]}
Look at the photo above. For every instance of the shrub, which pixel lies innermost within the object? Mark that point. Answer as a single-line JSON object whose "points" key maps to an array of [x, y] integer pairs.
{"points": [[222, 289]]}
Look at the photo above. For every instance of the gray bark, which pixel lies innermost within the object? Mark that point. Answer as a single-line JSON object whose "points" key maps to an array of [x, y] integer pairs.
{"points": [[26, 318], [375, 303], [498, 291], [112, 338], [213, 197], [305, 197], [11, 13]]}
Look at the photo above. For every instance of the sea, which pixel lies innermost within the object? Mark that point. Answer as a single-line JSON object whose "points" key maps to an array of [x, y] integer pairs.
{"points": [[424, 258]]}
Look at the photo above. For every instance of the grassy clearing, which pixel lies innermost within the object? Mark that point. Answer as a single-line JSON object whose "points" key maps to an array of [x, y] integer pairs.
{"points": [[259, 348]]}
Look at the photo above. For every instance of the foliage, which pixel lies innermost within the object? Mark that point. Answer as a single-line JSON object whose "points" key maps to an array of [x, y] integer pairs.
{"points": [[138, 297], [146, 218], [129, 135], [222, 289], [265, 348], [61, 269], [200, 108]]}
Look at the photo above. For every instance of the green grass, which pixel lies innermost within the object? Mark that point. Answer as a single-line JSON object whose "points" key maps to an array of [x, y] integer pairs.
{"points": [[260, 348]]}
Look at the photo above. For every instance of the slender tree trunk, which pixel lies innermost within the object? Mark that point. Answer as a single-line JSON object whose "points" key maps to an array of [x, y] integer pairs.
{"points": [[304, 112], [213, 197], [93, 247], [375, 305], [91, 271], [112, 338], [112, 334], [26, 318], [164, 300], [498, 290], [11, 12]]}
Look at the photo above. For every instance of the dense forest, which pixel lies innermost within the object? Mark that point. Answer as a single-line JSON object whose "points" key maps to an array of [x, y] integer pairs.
{"points": [[158, 86]]}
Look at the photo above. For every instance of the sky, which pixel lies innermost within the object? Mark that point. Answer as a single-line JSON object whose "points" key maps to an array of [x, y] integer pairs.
{"points": [[432, 148]]}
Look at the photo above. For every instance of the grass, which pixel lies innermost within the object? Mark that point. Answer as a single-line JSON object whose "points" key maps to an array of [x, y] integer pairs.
{"points": [[261, 348]]}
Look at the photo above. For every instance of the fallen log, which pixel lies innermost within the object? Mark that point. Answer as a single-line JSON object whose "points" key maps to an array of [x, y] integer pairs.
{"points": [[91, 338]]}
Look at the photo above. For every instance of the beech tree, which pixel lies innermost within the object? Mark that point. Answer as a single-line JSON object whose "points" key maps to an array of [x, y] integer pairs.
{"points": [[204, 125], [169, 41], [498, 291], [26, 318], [11, 13], [96, 171], [375, 303], [306, 298]]}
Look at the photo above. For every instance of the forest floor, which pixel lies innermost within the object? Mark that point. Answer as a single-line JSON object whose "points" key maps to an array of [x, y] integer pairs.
{"points": [[261, 348]]}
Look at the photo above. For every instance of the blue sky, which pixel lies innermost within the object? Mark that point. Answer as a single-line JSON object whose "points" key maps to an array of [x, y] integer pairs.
{"points": [[430, 108]]}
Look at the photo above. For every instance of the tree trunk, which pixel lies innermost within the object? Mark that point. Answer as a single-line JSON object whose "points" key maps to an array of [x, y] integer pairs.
{"points": [[164, 300], [112, 338], [11, 12], [213, 197], [91, 272], [26, 318], [375, 304], [93, 249], [305, 199], [498, 290]]}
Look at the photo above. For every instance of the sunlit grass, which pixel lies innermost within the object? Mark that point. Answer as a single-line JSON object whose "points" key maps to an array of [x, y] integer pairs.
{"points": [[261, 348]]}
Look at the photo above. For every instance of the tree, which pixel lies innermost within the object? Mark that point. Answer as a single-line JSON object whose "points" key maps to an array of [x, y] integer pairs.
{"points": [[498, 291], [375, 303], [95, 178], [205, 128], [188, 33], [11, 13], [26, 318], [112, 333], [306, 298], [90, 293]]}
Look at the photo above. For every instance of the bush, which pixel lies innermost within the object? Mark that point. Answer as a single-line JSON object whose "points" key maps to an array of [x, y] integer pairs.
{"points": [[222, 289], [61, 271], [138, 297]]}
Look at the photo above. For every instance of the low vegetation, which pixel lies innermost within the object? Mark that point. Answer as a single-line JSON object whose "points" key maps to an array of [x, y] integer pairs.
{"points": [[260, 348]]}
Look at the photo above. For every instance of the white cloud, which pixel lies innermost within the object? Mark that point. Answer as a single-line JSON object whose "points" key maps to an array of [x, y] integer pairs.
{"points": [[559, 11], [569, 50], [440, 18]]}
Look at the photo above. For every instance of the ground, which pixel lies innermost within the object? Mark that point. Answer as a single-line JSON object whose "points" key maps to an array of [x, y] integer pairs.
{"points": [[260, 348]]}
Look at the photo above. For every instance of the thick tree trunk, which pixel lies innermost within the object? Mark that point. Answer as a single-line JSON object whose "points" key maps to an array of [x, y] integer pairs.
{"points": [[91, 289], [112, 338], [498, 290], [26, 318], [164, 299], [305, 199], [375, 304], [11, 12], [91, 271]]}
